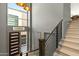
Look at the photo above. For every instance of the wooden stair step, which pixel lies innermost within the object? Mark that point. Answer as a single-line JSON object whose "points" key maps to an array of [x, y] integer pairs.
{"points": [[75, 21], [71, 45], [74, 35], [73, 29], [74, 40], [72, 32], [68, 51], [74, 24]]}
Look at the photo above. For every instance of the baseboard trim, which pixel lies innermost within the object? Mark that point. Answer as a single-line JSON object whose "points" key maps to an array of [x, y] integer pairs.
{"points": [[3, 54]]}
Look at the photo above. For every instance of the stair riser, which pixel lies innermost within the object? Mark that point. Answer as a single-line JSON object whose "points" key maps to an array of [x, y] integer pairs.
{"points": [[75, 46], [75, 31], [74, 25], [72, 35], [70, 48], [73, 28], [72, 32], [69, 51], [76, 42]]}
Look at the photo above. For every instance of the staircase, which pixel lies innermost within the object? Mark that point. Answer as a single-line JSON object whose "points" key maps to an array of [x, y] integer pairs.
{"points": [[69, 46]]}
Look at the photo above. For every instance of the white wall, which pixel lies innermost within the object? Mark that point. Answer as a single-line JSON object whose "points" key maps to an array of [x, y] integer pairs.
{"points": [[74, 9], [45, 16], [66, 18], [3, 25]]}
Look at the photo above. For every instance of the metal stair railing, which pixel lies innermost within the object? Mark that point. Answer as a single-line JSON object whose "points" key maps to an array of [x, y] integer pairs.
{"points": [[50, 44]]}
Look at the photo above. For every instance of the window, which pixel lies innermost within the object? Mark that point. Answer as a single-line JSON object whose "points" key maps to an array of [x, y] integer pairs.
{"points": [[12, 20], [16, 16]]}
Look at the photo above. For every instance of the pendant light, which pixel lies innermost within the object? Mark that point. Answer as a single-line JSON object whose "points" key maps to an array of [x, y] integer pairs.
{"points": [[24, 6]]}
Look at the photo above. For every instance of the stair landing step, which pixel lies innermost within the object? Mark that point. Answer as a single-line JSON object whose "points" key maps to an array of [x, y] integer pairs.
{"points": [[71, 45], [68, 51]]}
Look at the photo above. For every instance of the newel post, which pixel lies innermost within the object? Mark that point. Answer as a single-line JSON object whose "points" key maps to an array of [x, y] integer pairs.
{"points": [[42, 45]]}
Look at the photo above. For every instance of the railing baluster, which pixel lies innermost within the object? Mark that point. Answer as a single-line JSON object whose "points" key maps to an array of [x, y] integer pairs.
{"points": [[57, 37]]}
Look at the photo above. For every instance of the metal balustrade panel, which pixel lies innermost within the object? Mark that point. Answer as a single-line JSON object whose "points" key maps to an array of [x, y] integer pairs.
{"points": [[50, 45]]}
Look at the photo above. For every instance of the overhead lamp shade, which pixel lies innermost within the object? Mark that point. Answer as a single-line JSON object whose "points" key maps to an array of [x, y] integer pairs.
{"points": [[22, 4], [27, 8]]}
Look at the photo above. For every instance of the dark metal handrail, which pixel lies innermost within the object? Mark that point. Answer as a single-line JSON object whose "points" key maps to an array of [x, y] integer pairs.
{"points": [[53, 31]]}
